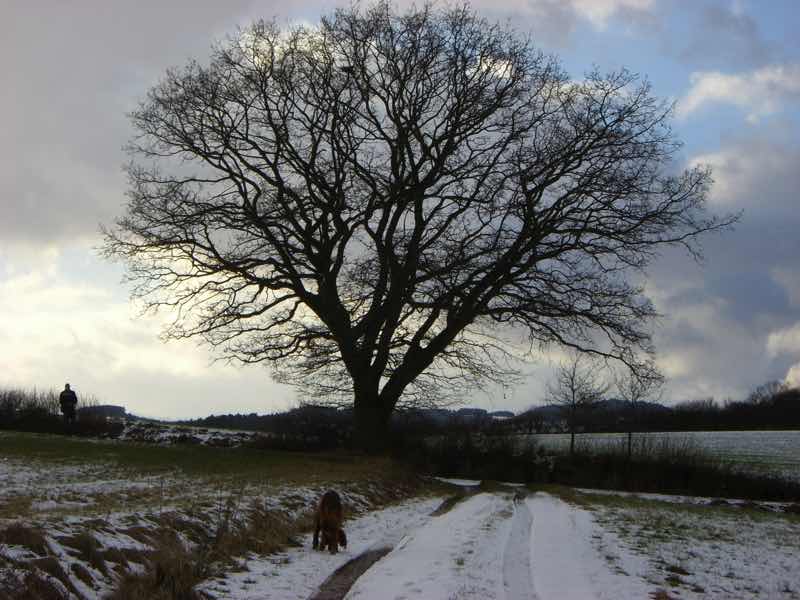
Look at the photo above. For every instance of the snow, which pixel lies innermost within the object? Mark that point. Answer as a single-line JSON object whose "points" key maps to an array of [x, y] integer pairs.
{"points": [[694, 500], [701, 551], [565, 562], [493, 545], [459, 554], [296, 573], [490, 547], [459, 482], [504, 547]]}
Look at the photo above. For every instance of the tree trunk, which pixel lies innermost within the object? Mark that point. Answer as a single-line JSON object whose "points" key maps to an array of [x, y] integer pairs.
{"points": [[572, 442], [371, 424]]}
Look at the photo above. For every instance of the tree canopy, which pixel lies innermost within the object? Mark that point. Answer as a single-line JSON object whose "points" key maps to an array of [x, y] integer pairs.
{"points": [[384, 206]]}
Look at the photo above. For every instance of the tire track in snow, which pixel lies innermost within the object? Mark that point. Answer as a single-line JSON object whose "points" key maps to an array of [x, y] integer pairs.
{"points": [[456, 555], [517, 580], [564, 562]]}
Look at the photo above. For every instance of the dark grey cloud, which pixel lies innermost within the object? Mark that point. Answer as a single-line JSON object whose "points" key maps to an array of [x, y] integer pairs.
{"points": [[721, 35], [718, 315], [71, 70]]}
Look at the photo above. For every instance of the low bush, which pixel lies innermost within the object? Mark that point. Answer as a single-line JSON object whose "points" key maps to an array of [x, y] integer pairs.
{"points": [[38, 411], [473, 456], [654, 465], [668, 466]]}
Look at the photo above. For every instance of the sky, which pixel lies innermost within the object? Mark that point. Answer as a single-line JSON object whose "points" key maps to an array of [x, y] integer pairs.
{"points": [[72, 70]]}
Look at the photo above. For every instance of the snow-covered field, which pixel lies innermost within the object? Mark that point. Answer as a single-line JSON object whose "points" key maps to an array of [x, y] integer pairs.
{"points": [[773, 452], [498, 542]]}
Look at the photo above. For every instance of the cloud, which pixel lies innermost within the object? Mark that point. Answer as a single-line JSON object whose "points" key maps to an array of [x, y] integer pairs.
{"points": [[788, 276], [792, 378], [600, 12], [553, 22], [71, 72], [66, 322], [760, 93], [719, 32], [784, 340], [731, 323], [758, 173]]}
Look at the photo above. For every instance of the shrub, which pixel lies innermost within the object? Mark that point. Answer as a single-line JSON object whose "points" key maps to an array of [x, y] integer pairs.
{"points": [[40, 412], [656, 465]]}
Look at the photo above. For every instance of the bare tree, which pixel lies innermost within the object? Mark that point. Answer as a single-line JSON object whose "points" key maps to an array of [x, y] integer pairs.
{"points": [[767, 391], [576, 388], [386, 207], [636, 387]]}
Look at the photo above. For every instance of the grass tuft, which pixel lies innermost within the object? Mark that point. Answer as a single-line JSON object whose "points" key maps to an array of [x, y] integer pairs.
{"points": [[88, 548], [19, 534]]}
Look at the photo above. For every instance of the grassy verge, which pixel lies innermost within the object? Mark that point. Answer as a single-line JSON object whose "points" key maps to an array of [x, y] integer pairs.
{"points": [[697, 550], [250, 464], [133, 521]]}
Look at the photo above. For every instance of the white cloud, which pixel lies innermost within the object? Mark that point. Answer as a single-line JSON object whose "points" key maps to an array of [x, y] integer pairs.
{"points": [[761, 93], [792, 378], [555, 20], [786, 340], [60, 321], [759, 173], [674, 364], [699, 348], [599, 12]]}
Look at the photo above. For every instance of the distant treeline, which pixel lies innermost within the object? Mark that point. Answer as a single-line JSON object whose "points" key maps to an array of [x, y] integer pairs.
{"points": [[770, 406], [331, 424]]}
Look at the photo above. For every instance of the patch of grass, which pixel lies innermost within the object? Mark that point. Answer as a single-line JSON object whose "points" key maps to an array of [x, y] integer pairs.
{"points": [[116, 556], [88, 549], [172, 573], [250, 464], [173, 568], [52, 567], [673, 580], [677, 570], [35, 586], [19, 534], [15, 507], [83, 574], [661, 595], [141, 534]]}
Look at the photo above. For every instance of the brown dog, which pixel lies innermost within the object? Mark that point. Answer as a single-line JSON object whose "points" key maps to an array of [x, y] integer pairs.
{"points": [[329, 520]]}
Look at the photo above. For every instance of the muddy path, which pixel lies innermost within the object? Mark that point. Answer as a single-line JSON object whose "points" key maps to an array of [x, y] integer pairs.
{"points": [[342, 579]]}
